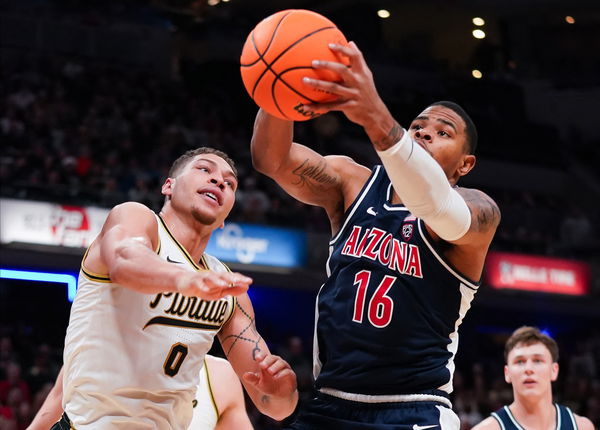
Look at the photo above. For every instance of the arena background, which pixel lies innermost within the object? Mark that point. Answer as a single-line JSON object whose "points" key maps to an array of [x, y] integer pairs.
{"points": [[95, 98]]}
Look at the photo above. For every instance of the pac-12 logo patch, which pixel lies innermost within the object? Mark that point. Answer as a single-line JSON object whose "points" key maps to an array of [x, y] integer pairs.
{"points": [[407, 231]]}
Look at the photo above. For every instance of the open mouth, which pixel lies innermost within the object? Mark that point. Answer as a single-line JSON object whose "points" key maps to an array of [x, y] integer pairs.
{"points": [[211, 196]]}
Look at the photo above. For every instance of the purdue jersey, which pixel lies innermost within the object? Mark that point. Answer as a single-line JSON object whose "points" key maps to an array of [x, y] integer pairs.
{"points": [[133, 360], [387, 317], [565, 420], [206, 412]]}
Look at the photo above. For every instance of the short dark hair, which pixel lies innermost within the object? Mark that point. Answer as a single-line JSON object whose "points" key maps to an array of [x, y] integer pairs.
{"points": [[189, 155], [527, 335], [471, 130]]}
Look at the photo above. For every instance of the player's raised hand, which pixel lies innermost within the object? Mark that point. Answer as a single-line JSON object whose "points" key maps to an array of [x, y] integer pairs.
{"points": [[358, 96], [209, 285], [276, 377]]}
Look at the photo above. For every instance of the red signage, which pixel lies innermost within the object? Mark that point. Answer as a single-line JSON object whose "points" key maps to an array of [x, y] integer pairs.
{"points": [[532, 273]]}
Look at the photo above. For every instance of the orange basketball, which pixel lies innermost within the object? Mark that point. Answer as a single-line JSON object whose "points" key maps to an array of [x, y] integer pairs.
{"points": [[278, 54]]}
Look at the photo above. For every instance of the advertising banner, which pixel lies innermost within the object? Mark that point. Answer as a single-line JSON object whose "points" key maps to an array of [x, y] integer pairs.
{"points": [[533, 273]]}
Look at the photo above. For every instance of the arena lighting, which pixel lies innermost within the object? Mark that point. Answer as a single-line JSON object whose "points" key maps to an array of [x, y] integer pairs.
{"points": [[478, 34], [478, 21], [213, 2], [570, 19], [383, 13], [57, 278], [476, 74]]}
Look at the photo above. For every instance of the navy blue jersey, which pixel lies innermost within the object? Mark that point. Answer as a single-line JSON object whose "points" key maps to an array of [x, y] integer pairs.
{"points": [[388, 314], [565, 420]]}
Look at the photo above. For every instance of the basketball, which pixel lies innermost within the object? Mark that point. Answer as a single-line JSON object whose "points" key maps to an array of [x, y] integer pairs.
{"points": [[279, 52]]}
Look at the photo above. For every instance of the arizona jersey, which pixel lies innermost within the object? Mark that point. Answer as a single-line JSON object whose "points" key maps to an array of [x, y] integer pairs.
{"points": [[133, 360], [388, 314], [565, 420], [206, 413]]}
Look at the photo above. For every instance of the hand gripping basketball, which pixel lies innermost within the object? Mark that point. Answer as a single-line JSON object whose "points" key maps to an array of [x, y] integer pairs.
{"points": [[279, 52]]}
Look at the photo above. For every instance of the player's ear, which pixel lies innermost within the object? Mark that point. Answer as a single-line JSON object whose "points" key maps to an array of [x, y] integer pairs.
{"points": [[554, 372], [167, 188], [506, 375], [468, 162]]}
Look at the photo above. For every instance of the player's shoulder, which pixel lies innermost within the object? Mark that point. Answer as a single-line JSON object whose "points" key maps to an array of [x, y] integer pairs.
{"points": [[584, 423], [132, 208], [347, 165], [490, 423]]}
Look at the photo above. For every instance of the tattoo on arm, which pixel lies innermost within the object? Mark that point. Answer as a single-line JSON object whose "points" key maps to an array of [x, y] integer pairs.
{"points": [[307, 172], [390, 140], [485, 213], [246, 335]]}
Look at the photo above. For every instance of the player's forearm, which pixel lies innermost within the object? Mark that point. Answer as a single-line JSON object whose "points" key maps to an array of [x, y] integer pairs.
{"points": [[271, 142], [136, 267], [278, 407], [382, 128]]}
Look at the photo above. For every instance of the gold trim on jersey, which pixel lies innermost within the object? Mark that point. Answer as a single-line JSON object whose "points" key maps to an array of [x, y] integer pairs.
{"points": [[97, 277], [210, 390], [233, 303], [92, 276], [183, 250]]}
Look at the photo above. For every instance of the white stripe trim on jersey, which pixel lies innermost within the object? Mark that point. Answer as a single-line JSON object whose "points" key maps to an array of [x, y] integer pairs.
{"points": [[448, 419], [572, 417], [497, 417], [386, 398], [512, 418], [558, 417], [356, 205], [317, 365], [466, 298], [442, 261]]}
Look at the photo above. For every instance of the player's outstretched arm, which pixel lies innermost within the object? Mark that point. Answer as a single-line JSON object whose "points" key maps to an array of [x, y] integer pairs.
{"points": [[268, 379], [51, 410], [302, 172], [124, 251]]}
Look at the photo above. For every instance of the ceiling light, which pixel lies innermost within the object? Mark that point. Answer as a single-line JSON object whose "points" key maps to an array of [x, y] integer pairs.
{"points": [[478, 34], [383, 13], [478, 21], [476, 74]]}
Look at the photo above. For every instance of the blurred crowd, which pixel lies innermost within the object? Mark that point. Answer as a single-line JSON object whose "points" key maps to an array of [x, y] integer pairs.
{"points": [[29, 367], [84, 133]]}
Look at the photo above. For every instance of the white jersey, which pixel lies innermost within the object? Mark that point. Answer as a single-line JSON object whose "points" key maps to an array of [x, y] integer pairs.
{"points": [[132, 360], [206, 412]]}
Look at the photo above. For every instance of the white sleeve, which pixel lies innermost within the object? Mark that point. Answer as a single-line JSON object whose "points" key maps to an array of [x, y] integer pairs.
{"points": [[424, 189]]}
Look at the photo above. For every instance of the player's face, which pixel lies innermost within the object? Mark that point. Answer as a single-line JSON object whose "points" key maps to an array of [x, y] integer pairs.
{"points": [[530, 370], [206, 187], [442, 133]]}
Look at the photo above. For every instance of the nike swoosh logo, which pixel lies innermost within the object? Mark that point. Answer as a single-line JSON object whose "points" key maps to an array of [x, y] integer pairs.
{"points": [[173, 261], [418, 427], [371, 211]]}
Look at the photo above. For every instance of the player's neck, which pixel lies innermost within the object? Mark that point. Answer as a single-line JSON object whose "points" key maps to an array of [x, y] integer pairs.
{"points": [[187, 233], [536, 413]]}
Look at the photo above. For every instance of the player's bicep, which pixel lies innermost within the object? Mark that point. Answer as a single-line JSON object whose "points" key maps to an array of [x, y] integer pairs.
{"points": [[313, 178], [126, 223], [485, 216]]}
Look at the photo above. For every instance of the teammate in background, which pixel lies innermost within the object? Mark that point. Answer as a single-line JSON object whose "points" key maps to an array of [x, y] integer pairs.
{"points": [[531, 367], [406, 254], [149, 304], [219, 402]]}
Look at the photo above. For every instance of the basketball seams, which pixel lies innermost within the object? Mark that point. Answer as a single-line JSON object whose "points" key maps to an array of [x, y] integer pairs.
{"points": [[261, 56], [285, 45], [268, 67]]}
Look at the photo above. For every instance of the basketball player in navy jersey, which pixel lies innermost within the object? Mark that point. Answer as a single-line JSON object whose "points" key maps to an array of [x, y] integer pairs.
{"points": [[406, 255], [149, 304], [531, 367]]}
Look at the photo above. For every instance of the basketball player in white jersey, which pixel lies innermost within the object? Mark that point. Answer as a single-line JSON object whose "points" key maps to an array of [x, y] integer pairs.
{"points": [[149, 304], [219, 402]]}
